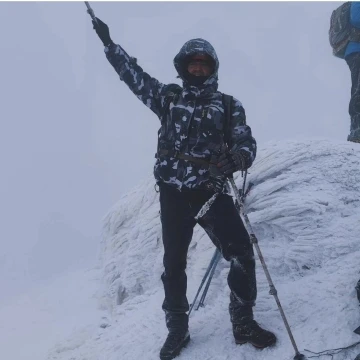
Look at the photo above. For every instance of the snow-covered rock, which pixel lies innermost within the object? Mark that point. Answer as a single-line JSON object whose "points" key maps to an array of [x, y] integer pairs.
{"points": [[305, 209]]}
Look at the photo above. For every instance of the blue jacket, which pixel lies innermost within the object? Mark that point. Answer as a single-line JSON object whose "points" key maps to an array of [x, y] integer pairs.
{"points": [[354, 21]]}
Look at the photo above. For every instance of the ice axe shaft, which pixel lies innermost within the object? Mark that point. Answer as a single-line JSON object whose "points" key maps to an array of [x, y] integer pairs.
{"points": [[90, 11]]}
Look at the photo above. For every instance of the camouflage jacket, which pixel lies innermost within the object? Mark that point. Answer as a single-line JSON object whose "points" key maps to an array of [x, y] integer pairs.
{"points": [[192, 124]]}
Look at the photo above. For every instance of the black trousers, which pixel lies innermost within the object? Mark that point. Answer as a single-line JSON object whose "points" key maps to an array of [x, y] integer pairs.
{"points": [[226, 230], [353, 61]]}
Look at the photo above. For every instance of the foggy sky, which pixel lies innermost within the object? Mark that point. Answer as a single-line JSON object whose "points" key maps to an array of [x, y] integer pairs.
{"points": [[74, 138]]}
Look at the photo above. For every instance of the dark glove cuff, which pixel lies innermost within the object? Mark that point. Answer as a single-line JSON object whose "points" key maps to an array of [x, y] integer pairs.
{"points": [[108, 43]]}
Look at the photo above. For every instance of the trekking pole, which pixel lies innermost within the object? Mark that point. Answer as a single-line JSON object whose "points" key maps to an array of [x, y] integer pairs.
{"points": [[273, 291], [204, 279], [206, 288], [90, 11]]}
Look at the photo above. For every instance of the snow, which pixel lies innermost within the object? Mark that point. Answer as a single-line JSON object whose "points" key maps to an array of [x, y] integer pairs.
{"points": [[305, 210]]}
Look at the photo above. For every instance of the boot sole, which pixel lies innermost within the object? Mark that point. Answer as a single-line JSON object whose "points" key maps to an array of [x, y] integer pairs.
{"points": [[177, 353], [255, 345]]}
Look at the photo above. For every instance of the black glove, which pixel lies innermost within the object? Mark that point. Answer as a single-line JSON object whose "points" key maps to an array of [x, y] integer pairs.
{"points": [[103, 32], [216, 184], [217, 180], [228, 163]]}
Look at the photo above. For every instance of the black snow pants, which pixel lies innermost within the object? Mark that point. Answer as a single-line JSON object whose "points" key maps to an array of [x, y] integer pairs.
{"points": [[353, 61], [226, 230]]}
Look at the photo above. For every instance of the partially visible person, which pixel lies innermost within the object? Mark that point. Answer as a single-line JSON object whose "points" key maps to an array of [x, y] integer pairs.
{"points": [[352, 58]]}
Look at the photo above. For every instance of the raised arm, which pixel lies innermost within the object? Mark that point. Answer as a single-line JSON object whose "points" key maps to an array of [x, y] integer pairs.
{"points": [[146, 88]]}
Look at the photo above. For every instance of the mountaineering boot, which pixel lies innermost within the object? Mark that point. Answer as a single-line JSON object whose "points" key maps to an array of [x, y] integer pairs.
{"points": [[251, 332], [354, 135], [174, 343], [178, 337]]}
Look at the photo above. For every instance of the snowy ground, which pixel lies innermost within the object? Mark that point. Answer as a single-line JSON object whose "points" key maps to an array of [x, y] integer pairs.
{"points": [[305, 209]]}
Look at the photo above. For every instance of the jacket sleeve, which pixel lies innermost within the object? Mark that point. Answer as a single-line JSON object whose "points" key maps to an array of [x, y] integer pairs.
{"points": [[241, 136], [355, 14], [146, 88]]}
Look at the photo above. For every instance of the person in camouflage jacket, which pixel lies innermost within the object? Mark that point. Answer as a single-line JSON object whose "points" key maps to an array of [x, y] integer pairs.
{"points": [[193, 160]]}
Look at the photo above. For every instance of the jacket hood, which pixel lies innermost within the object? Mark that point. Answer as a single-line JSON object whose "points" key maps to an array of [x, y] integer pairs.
{"points": [[192, 47]]}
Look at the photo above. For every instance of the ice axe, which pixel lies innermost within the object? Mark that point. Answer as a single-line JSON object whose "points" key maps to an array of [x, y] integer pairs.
{"points": [[90, 11]]}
